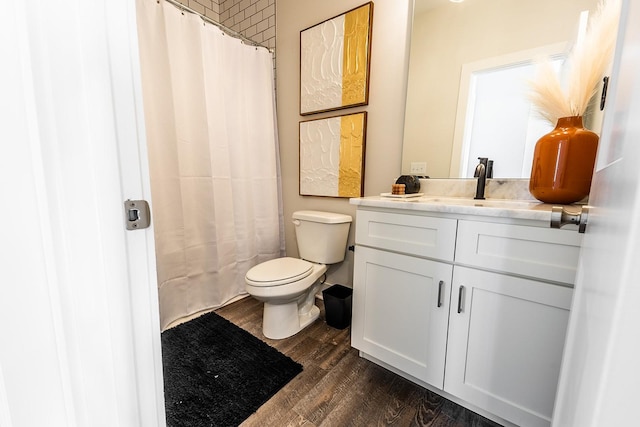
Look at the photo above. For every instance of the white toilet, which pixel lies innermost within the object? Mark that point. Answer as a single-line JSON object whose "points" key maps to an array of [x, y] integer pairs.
{"points": [[288, 286]]}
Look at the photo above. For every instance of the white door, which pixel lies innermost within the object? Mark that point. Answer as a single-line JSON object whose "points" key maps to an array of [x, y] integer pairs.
{"points": [[78, 300], [601, 365]]}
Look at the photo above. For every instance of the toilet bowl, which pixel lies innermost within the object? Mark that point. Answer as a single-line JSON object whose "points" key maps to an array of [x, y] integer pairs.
{"points": [[288, 286]]}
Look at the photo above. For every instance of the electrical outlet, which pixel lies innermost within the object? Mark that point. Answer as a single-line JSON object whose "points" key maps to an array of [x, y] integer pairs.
{"points": [[418, 168]]}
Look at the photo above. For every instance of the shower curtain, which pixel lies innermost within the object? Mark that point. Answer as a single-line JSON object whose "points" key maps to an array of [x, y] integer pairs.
{"points": [[211, 131]]}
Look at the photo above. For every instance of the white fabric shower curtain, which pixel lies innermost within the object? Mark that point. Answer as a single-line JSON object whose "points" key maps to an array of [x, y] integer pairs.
{"points": [[211, 131]]}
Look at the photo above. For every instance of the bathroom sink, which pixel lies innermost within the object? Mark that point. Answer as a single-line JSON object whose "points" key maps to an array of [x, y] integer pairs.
{"points": [[488, 203]]}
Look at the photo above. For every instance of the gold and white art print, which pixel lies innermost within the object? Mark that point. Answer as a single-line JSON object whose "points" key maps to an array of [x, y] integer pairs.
{"points": [[332, 156], [334, 62]]}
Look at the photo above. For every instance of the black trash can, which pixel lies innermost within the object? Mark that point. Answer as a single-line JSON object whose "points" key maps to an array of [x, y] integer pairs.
{"points": [[337, 306]]}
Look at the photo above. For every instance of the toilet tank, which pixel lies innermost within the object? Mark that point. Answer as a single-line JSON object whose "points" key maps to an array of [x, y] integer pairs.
{"points": [[321, 236]]}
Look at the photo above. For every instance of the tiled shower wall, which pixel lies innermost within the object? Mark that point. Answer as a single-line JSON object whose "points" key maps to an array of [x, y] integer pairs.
{"points": [[254, 19], [208, 8]]}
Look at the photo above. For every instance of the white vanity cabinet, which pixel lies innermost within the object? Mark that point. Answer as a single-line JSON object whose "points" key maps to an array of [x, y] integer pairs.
{"points": [[403, 301], [478, 309]]}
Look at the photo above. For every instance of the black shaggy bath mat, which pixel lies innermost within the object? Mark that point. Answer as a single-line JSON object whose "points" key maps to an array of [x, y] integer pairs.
{"points": [[217, 374]]}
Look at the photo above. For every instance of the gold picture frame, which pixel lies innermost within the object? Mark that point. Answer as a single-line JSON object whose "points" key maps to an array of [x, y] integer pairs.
{"points": [[335, 62], [332, 153]]}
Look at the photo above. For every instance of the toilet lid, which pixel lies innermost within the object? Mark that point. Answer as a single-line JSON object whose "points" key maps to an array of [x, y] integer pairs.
{"points": [[279, 271]]}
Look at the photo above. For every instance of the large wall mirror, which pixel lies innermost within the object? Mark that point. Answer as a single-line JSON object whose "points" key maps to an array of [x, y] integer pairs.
{"points": [[450, 39]]}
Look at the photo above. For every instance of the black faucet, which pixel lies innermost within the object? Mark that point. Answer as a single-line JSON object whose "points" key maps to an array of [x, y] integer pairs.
{"points": [[481, 174]]}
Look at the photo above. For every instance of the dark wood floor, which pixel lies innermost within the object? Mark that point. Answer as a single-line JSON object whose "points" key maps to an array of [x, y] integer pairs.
{"points": [[338, 388]]}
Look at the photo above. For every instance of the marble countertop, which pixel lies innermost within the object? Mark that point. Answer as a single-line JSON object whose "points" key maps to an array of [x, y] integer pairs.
{"points": [[505, 198], [498, 208]]}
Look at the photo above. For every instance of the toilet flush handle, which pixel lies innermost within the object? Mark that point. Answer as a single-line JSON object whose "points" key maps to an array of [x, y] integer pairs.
{"points": [[296, 222]]}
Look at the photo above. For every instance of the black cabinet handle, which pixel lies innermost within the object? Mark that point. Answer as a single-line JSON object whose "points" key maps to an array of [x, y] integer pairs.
{"points": [[440, 286], [460, 292]]}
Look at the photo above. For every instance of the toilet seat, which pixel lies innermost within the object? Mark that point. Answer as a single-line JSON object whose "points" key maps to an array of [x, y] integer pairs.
{"points": [[279, 271]]}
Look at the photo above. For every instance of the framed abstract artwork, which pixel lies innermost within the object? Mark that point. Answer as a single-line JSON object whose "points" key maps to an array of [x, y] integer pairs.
{"points": [[334, 62], [332, 156]]}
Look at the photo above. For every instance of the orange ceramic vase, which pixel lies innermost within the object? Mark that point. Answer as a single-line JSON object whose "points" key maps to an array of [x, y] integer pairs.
{"points": [[563, 163]]}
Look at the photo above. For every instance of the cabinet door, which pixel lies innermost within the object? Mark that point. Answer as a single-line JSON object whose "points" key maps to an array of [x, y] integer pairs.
{"points": [[506, 337], [400, 311]]}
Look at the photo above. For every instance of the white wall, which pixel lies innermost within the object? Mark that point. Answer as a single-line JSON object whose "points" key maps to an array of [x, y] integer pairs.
{"points": [[389, 60]]}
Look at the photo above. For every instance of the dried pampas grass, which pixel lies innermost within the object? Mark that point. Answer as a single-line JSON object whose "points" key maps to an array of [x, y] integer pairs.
{"points": [[587, 64]]}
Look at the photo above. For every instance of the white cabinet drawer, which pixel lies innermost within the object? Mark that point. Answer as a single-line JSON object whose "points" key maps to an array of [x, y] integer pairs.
{"points": [[410, 234], [543, 253]]}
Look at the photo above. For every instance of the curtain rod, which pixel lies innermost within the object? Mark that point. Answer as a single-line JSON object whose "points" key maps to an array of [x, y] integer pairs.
{"points": [[225, 29]]}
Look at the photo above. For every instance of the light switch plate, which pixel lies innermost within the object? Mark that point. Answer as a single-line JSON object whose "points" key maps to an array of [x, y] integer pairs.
{"points": [[418, 168]]}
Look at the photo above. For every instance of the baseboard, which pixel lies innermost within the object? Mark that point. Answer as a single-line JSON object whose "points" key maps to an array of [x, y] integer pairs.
{"points": [[204, 311]]}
